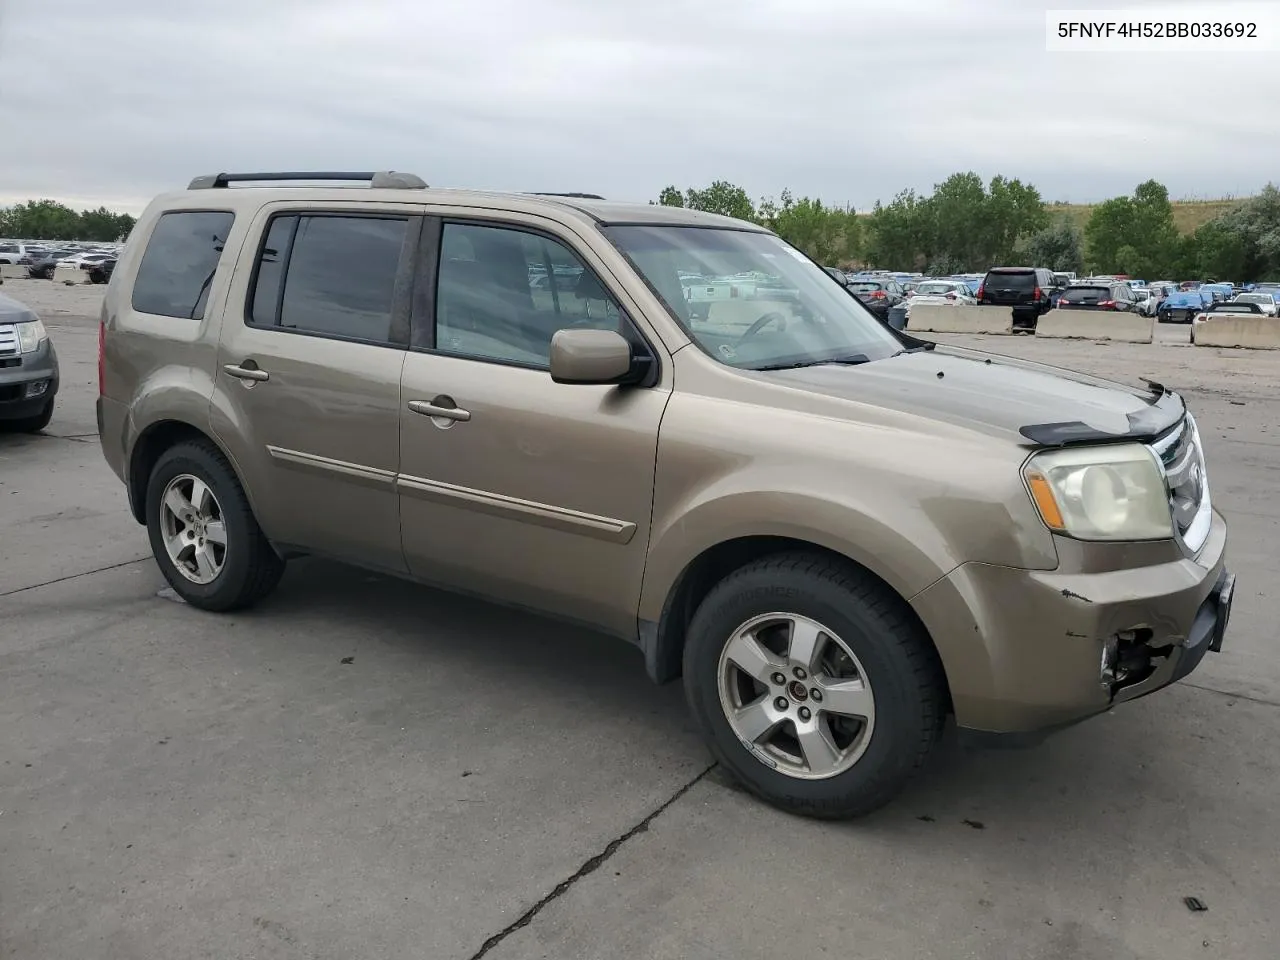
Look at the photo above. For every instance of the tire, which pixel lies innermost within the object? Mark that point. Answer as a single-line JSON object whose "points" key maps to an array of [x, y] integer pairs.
{"points": [[892, 653], [250, 568], [32, 424]]}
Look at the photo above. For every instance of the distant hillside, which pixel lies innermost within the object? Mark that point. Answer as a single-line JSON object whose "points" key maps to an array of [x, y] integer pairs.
{"points": [[1188, 215]]}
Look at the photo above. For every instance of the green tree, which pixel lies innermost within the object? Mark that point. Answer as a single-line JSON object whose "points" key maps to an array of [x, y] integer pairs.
{"points": [[1134, 235], [1058, 246], [1243, 243], [103, 225], [721, 197], [671, 197], [963, 225], [43, 220], [827, 234], [900, 233]]}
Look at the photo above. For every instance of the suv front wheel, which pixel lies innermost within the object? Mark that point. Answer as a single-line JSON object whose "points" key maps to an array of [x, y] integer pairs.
{"points": [[203, 533], [813, 685]]}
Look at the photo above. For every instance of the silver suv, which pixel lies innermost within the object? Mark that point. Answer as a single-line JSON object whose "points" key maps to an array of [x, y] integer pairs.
{"points": [[835, 532]]}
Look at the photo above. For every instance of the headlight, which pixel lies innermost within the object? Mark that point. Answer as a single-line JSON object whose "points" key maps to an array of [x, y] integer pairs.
{"points": [[30, 336], [1101, 493]]}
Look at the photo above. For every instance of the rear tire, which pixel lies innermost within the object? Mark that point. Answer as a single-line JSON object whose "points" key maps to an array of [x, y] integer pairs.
{"points": [[857, 621], [246, 569]]}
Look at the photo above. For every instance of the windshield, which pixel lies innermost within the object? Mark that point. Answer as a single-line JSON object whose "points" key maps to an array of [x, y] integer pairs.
{"points": [[771, 306]]}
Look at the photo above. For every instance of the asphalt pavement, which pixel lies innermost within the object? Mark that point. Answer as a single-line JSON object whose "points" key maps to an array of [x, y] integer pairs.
{"points": [[363, 767]]}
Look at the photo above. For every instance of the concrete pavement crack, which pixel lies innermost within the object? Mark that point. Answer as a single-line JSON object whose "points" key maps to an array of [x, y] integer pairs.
{"points": [[1233, 696], [588, 868], [73, 576]]}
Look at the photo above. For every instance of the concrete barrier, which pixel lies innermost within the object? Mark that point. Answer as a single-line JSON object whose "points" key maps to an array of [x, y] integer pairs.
{"points": [[1251, 332], [934, 318], [13, 271], [1097, 325], [69, 274]]}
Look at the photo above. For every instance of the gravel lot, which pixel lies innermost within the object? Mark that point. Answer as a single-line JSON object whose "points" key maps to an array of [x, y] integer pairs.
{"points": [[478, 782]]}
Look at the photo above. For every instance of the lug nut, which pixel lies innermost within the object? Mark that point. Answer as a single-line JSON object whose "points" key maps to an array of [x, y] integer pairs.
{"points": [[779, 679], [804, 713], [800, 674], [816, 694], [781, 703]]}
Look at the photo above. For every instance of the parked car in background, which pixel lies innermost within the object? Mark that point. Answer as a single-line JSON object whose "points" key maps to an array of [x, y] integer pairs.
{"points": [[1098, 295], [43, 266], [1025, 289], [15, 253], [1266, 301], [1182, 306], [1224, 308], [28, 369], [878, 296], [1143, 302], [949, 293], [101, 272], [1221, 292]]}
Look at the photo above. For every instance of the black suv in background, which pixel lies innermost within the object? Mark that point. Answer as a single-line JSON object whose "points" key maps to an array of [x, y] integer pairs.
{"points": [[1027, 289], [1098, 295]]}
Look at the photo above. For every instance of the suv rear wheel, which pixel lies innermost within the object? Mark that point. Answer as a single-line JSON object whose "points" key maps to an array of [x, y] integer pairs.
{"points": [[203, 533], [813, 685]]}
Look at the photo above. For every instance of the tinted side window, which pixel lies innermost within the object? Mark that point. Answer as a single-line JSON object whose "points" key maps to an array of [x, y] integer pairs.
{"points": [[178, 266], [332, 275], [502, 293]]}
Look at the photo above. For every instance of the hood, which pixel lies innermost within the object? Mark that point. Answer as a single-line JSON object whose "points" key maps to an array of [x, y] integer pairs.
{"points": [[15, 311], [1047, 406]]}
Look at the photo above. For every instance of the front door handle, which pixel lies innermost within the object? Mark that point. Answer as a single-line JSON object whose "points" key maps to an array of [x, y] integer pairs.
{"points": [[435, 410], [246, 373]]}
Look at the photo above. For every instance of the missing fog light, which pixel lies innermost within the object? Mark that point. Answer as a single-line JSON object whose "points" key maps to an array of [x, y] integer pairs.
{"points": [[38, 388], [1107, 668]]}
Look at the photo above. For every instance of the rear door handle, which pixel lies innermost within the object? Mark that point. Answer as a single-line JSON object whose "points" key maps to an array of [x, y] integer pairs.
{"points": [[246, 373], [428, 409]]}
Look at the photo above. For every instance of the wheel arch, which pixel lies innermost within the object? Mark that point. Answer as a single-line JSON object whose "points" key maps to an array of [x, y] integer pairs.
{"points": [[151, 444], [663, 640]]}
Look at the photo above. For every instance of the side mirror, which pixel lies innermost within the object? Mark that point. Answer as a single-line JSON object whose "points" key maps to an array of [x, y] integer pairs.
{"points": [[590, 356]]}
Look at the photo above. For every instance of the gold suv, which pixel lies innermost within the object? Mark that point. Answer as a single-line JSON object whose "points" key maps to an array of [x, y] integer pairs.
{"points": [[671, 426]]}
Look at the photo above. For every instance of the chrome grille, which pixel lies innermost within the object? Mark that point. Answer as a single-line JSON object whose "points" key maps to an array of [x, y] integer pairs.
{"points": [[1182, 457], [8, 340]]}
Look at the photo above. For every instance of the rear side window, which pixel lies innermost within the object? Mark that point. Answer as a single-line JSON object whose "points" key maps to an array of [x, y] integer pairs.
{"points": [[332, 275], [179, 263]]}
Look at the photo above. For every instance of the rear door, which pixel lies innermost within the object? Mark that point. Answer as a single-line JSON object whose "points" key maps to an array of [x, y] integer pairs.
{"points": [[307, 393]]}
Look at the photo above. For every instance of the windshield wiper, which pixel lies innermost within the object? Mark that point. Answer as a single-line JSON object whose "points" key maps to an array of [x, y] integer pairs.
{"points": [[852, 359]]}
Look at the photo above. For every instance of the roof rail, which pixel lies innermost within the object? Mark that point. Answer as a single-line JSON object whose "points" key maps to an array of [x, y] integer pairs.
{"points": [[381, 179], [578, 196]]}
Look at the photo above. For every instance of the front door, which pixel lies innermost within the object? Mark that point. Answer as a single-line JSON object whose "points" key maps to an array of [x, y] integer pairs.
{"points": [[512, 486], [307, 395]]}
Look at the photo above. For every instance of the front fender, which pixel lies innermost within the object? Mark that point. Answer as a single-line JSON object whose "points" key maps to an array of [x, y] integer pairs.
{"points": [[903, 552]]}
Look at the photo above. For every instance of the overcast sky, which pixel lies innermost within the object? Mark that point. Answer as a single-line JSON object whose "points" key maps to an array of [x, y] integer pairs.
{"points": [[849, 100]]}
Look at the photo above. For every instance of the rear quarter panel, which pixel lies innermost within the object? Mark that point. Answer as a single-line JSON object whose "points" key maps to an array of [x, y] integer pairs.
{"points": [[161, 368]]}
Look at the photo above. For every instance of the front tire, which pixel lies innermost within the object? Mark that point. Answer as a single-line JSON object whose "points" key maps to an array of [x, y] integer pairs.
{"points": [[203, 534], [813, 685]]}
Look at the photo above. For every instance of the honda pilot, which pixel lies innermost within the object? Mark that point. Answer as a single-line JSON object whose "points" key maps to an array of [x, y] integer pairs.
{"points": [[838, 536]]}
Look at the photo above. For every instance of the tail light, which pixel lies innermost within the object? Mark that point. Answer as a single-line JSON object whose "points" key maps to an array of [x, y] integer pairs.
{"points": [[1035, 294], [1063, 301], [1106, 304], [102, 358], [878, 295], [981, 287]]}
